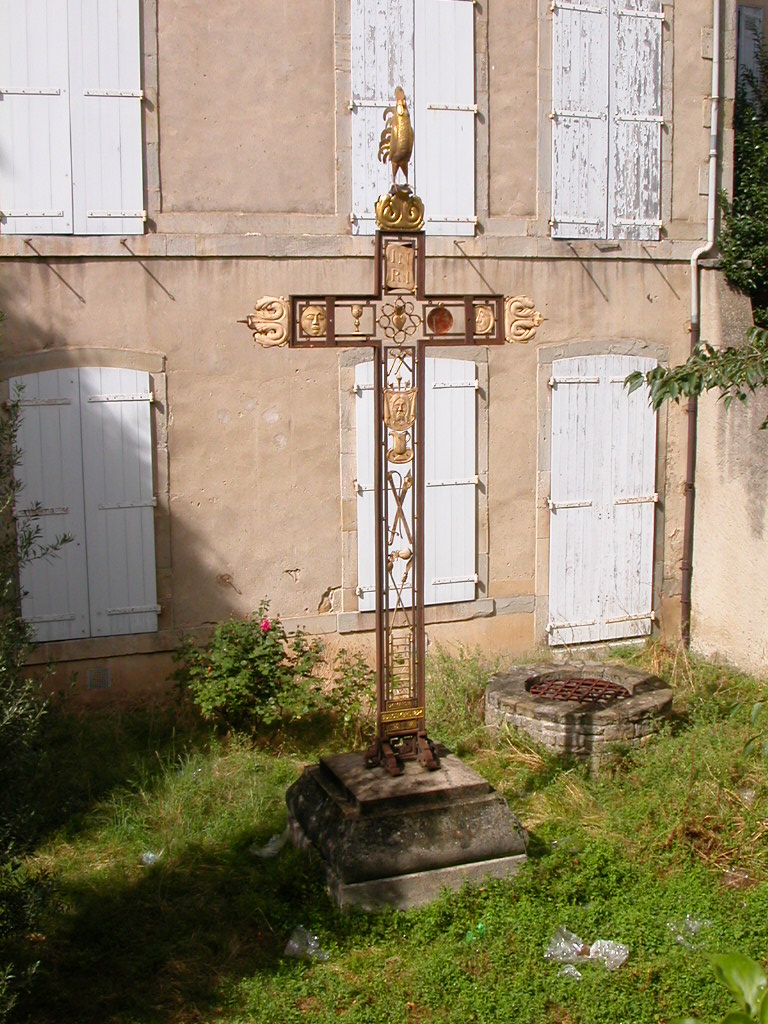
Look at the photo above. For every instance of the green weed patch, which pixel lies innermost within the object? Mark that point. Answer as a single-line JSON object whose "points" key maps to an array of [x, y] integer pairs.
{"points": [[664, 851]]}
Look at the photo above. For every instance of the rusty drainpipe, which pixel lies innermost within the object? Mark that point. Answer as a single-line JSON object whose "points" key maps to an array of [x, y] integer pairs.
{"points": [[690, 471]]}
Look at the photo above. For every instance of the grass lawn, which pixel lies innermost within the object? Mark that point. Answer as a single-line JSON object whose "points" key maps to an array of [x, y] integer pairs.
{"points": [[673, 835]]}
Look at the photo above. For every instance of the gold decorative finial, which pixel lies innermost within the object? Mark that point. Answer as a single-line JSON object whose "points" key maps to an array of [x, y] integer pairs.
{"points": [[396, 144], [399, 209]]}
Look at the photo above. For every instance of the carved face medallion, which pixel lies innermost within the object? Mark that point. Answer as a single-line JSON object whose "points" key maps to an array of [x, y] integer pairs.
{"points": [[484, 319], [313, 321]]}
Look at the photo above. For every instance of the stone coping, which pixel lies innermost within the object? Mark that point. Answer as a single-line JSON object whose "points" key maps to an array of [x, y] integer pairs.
{"points": [[573, 727]]}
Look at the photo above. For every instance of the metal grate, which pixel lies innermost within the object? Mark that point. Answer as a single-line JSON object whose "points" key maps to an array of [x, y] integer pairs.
{"points": [[98, 678], [584, 691]]}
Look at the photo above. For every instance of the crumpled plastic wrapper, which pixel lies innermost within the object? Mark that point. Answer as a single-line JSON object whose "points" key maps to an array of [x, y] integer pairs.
{"points": [[686, 932], [304, 946], [273, 845], [567, 948]]}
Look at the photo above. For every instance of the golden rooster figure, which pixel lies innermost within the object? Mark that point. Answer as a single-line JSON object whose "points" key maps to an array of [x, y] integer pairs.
{"points": [[396, 144]]}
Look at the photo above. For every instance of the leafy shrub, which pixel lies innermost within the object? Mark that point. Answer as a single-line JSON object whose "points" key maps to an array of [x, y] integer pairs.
{"points": [[745, 980], [353, 696], [22, 705], [456, 696], [251, 673]]}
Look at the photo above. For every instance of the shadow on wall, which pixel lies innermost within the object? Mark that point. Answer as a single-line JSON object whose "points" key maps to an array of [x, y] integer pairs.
{"points": [[744, 455], [195, 586]]}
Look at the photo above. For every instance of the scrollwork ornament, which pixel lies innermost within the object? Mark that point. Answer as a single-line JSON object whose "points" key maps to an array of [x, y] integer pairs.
{"points": [[270, 321], [521, 318], [399, 211]]}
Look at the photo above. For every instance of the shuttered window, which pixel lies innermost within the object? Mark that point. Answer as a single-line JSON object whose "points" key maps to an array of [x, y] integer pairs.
{"points": [[750, 35], [606, 119], [86, 470], [450, 483], [602, 501], [427, 47], [70, 117]]}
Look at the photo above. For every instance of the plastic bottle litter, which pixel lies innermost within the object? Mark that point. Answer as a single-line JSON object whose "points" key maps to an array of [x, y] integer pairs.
{"points": [[272, 847], [304, 946], [611, 954], [149, 858], [569, 971], [735, 878], [686, 932], [567, 948]]}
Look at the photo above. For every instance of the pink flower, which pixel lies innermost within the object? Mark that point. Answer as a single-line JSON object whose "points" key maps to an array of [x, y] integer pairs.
{"points": [[266, 625]]}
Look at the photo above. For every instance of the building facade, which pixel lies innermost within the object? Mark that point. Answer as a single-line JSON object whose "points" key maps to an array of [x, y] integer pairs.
{"points": [[165, 166]]}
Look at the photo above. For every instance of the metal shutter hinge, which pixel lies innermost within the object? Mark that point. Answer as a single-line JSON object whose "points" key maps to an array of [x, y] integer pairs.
{"points": [[116, 214], [146, 396], [35, 513], [141, 609], [29, 92], [632, 618], [639, 500], [118, 94], [554, 506], [149, 503]]}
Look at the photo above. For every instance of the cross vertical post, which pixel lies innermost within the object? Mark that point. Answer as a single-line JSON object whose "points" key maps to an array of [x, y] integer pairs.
{"points": [[398, 322]]}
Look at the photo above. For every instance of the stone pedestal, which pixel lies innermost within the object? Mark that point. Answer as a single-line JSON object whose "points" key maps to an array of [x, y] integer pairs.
{"points": [[396, 842]]}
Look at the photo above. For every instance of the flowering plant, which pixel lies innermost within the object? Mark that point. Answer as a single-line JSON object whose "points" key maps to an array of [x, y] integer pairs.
{"points": [[251, 672]]}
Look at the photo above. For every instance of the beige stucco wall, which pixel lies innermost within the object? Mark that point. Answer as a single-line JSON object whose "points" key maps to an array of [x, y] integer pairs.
{"points": [[246, 102], [730, 555], [253, 503], [247, 135]]}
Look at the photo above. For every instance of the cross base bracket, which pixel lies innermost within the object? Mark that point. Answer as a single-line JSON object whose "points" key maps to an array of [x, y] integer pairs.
{"points": [[393, 751]]}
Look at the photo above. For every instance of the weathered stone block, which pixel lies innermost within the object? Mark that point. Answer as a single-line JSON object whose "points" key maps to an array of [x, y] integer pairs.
{"points": [[387, 841], [578, 727]]}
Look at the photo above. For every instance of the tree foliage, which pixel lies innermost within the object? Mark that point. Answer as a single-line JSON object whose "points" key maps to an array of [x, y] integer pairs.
{"points": [[22, 707], [744, 239], [735, 371]]}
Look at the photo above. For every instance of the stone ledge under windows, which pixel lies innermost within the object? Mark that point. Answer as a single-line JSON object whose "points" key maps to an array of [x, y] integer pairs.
{"points": [[166, 640], [462, 611], [494, 243]]}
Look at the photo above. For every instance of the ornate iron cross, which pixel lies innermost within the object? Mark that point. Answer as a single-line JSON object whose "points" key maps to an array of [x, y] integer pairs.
{"points": [[398, 322]]}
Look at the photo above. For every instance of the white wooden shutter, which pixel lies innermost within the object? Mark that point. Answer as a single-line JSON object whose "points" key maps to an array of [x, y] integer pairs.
{"points": [[382, 59], [602, 501], [366, 488], [56, 601], [35, 171], [634, 187], [575, 553], [450, 468], [105, 82], [117, 477], [366, 495], [444, 119], [628, 585], [750, 34], [451, 481], [580, 76]]}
